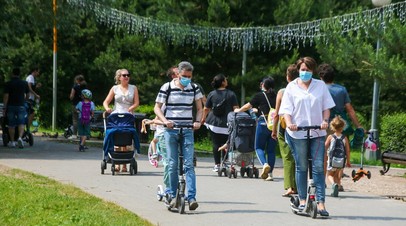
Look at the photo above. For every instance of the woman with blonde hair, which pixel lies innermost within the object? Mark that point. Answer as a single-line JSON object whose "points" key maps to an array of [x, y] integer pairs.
{"points": [[126, 98]]}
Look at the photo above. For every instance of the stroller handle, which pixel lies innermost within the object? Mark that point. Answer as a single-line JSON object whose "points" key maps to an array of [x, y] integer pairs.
{"points": [[308, 127]]}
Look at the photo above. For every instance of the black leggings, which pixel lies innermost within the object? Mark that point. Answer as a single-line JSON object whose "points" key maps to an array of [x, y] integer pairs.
{"points": [[218, 140]]}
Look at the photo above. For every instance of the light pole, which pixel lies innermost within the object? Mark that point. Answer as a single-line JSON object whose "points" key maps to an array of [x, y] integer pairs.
{"points": [[375, 100]]}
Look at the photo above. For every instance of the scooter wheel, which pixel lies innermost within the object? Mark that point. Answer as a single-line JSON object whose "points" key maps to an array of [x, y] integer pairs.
{"points": [[313, 209], [353, 173], [181, 208], [369, 175]]}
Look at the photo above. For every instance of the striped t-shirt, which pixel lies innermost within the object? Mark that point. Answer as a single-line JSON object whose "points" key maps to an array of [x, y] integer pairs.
{"points": [[179, 104]]}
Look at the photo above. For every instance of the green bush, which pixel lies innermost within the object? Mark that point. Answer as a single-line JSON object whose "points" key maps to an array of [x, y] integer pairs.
{"points": [[393, 134]]}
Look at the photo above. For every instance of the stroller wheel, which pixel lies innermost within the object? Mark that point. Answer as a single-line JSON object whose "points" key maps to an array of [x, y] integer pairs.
{"points": [[242, 171], [220, 171], [250, 172], [113, 170], [103, 166], [30, 139], [230, 171], [353, 173], [181, 208], [369, 174], [235, 174], [256, 173], [134, 166]]}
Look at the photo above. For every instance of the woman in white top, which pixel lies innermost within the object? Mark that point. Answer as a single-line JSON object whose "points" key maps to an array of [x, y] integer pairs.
{"points": [[126, 98], [306, 102], [125, 95]]}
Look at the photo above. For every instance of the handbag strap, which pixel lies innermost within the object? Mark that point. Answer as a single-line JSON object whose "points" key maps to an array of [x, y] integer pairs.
{"points": [[267, 100]]}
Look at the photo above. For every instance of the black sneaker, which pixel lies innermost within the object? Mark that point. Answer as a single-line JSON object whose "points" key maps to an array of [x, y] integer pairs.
{"points": [[81, 148], [193, 204]]}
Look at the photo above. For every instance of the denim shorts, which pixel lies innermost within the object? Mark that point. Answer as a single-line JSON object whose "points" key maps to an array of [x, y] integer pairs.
{"points": [[16, 115]]}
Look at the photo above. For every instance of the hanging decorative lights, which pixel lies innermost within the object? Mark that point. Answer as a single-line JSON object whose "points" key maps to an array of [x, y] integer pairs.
{"points": [[262, 38]]}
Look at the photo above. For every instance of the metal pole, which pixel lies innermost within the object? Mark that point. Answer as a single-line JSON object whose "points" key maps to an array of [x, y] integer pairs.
{"points": [[54, 77], [244, 68], [375, 101]]}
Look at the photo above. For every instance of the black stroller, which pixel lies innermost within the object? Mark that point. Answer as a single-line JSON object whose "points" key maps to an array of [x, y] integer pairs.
{"points": [[27, 135], [241, 127], [119, 130]]}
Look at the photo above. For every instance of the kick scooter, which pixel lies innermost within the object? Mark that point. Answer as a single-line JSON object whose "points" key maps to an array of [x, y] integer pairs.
{"points": [[180, 199], [311, 203]]}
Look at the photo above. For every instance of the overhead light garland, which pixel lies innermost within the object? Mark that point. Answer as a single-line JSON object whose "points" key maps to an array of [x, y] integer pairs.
{"points": [[237, 38]]}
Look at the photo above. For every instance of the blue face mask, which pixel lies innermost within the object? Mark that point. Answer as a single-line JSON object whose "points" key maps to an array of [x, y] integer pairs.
{"points": [[184, 81], [305, 76]]}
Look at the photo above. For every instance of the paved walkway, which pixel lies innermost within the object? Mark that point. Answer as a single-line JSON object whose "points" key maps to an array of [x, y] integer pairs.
{"points": [[222, 201]]}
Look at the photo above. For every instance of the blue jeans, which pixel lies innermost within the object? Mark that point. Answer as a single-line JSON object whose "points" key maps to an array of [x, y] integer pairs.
{"points": [[299, 151], [172, 145], [162, 150], [264, 144]]}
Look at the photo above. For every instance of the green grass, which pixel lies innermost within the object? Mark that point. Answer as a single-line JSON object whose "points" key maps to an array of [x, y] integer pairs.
{"points": [[29, 199]]}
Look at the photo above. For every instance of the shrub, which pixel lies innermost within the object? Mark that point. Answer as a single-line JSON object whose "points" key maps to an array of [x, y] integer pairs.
{"points": [[393, 135]]}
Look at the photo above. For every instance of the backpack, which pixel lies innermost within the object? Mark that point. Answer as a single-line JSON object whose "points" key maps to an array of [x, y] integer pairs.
{"points": [[85, 114], [242, 128], [220, 108], [336, 152]]}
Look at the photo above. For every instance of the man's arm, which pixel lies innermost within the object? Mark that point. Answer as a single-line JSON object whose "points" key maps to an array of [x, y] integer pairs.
{"points": [[351, 112], [199, 113]]}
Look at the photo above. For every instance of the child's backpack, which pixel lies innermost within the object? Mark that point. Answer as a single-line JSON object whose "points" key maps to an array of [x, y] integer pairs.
{"points": [[336, 152], [242, 129], [85, 114]]}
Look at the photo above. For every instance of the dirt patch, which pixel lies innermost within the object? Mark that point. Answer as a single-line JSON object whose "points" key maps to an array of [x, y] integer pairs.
{"points": [[392, 184]]}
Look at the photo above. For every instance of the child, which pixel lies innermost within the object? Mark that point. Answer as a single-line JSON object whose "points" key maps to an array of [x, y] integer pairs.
{"points": [[85, 109], [337, 152], [158, 132]]}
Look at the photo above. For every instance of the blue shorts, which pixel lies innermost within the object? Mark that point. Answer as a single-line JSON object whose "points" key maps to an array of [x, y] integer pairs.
{"points": [[16, 115], [83, 130]]}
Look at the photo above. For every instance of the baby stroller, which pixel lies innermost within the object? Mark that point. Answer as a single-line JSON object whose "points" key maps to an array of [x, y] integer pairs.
{"points": [[241, 127], [27, 135], [119, 130]]}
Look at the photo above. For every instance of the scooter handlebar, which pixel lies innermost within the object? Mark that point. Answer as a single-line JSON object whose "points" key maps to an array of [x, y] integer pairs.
{"points": [[308, 127]]}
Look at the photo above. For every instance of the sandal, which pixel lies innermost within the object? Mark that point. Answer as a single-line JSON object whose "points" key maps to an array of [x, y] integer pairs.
{"points": [[289, 193], [117, 169]]}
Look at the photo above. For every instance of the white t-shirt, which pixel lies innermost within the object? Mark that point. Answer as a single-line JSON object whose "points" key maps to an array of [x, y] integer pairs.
{"points": [[31, 79], [306, 106]]}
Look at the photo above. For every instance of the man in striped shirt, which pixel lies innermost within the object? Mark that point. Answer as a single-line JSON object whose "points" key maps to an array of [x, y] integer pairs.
{"points": [[179, 95]]}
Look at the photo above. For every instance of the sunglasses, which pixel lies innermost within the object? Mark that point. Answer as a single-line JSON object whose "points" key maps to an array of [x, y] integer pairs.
{"points": [[125, 75]]}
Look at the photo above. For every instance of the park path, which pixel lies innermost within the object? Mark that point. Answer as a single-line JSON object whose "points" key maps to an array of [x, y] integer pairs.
{"points": [[222, 201]]}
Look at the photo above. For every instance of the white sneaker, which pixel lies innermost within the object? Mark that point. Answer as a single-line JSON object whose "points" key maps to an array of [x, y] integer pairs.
{"points": [[216, 168], [269, 178], [265, 170], [12, 144], [73, 137], [20, 143]]}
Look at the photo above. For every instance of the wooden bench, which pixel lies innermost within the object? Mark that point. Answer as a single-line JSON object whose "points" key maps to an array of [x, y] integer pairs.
{"points": [[389, 157]]}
